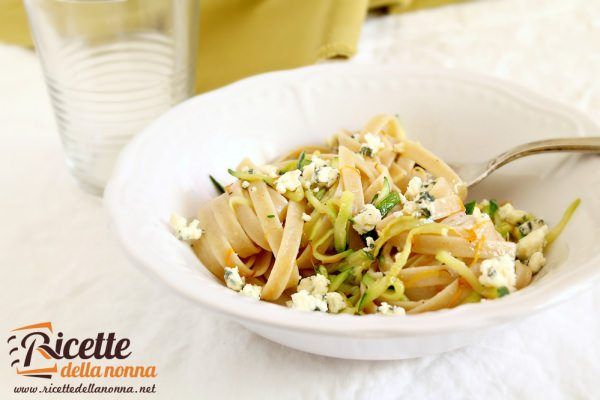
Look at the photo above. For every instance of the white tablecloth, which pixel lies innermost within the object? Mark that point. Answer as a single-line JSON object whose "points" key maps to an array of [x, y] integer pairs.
{"points": [[60, 262]]}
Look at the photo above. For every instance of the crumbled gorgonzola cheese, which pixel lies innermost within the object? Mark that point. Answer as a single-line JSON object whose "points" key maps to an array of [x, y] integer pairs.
{"points": [[536, 261], [420, 204], [308, 172], [306, 217], [319, 172], [315, 285], [233, 280], [302, 300], [326, 176], [252, 291], [370, 242], [387, 309], [245, 184], [312, 295], [335, 302], [529, 226], [372, 144], [183, 230], [498, 272], [288, 181], [413, 188], [532, 243], [510, 214], [366, 219]]}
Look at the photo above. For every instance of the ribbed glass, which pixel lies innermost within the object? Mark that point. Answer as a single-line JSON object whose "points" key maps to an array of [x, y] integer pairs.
{"points": [[112, 67]]}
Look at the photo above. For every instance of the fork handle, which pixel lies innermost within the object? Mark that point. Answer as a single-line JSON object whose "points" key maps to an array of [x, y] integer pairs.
{"points": [[589, 144]]}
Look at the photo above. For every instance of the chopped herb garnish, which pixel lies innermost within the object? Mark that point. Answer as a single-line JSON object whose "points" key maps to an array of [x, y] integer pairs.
{"points": [[271, 216], [503, 291], [366, 151], [216, 184], [493, 208], [470, 207]]}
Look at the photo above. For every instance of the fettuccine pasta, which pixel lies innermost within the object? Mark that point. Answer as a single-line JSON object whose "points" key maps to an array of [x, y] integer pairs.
{"points": [[372, 222]]}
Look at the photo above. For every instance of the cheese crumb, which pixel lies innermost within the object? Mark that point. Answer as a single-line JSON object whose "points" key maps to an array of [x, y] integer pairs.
{"points": [[498, 272], [183, 230], [510, 214], [326, 176], [315, 285], [536, 261], [386, 309], [306, 217], [372, 144], [370, 242], [414, 187], [288, 181], [252, 291], [335, 302], [233, 280], [304, 301], [366, 220], [245, 184], [532, 243], [319, 172]]}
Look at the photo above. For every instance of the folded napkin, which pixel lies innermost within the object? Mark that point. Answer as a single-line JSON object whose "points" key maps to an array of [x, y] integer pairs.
{"points": [[239, 38]]}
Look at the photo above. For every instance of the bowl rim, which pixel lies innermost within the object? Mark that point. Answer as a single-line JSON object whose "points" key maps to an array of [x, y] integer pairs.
{"points": [[470, 316]]}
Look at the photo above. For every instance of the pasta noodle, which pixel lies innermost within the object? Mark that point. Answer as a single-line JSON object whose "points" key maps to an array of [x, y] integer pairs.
{"points": [[371, 223]]}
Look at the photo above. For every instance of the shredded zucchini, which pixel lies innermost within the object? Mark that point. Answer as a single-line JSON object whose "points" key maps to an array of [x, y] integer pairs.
{"points": [[556, 230], [385, 190], [251, 176], [461, 269], [340, 227], [388, 203]]}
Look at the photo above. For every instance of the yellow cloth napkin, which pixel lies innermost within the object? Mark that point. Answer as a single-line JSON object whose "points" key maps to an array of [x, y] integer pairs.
{"points": [[239, 38]]}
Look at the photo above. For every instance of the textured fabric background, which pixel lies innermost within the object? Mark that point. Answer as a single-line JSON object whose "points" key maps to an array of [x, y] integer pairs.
{"points": [[239, 38], [59, 261]]}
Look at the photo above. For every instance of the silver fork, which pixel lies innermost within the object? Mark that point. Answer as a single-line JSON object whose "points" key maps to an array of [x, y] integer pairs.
{"points": [[472, 174]]}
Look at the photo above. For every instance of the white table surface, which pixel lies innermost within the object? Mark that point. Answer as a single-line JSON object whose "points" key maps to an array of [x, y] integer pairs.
{"points": [[59, 261]]}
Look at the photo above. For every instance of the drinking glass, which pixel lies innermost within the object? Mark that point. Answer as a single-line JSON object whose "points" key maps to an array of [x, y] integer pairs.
{"points": [[111, 67]]}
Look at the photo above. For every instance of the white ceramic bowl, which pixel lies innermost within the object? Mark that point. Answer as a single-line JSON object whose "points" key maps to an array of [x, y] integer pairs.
{"points": [[459, 116]]}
